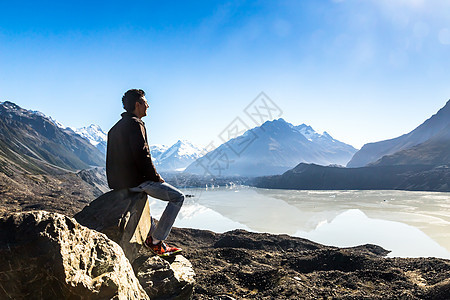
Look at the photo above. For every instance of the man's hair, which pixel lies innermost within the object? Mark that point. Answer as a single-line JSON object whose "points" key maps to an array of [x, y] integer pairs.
{"points": [[130, 98]]}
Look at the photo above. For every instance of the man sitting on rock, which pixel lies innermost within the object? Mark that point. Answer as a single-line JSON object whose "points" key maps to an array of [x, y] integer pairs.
{"points": [[129, 165]]}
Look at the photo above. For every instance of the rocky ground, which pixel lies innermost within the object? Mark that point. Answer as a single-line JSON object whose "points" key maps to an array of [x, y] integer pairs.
{"points": [[65, 193], [240, 265]]}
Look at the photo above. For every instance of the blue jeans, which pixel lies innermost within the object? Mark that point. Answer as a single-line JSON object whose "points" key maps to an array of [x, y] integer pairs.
{"points": [[166, 192]]}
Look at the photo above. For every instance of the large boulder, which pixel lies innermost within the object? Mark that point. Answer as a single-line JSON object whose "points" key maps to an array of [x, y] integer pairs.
{"points": [[122, 215], [125, 218], [50, 256]]}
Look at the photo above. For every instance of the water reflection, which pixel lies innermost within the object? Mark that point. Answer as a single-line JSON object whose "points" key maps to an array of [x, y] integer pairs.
{"points": [[407, 223], [353, 227]]}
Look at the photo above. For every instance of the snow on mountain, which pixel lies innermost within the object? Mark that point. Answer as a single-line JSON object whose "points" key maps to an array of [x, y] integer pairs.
{"points": [[57, 123], [35, 142], [94, 134], [178, 156], [307, 132], [273, 148], [156, 151]]}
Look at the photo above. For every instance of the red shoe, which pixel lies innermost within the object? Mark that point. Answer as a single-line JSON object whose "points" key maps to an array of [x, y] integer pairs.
{"points": [[161, 249]]}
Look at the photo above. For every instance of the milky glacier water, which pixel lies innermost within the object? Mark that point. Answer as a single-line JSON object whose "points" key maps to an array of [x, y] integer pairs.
{"points": [[409, 224]]}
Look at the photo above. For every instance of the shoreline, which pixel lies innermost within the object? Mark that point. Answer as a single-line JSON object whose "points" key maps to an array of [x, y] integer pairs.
{"points": [[326, 217], [240, 264]]}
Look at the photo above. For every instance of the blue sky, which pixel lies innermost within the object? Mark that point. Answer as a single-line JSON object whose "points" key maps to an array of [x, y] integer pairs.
{"points": [[361, 70]]}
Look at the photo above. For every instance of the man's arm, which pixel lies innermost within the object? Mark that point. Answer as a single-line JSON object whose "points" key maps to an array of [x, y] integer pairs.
{"points": [[141, 153]]}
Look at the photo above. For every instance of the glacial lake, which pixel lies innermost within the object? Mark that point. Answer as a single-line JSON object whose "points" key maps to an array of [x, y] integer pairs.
{"points": [[410, 224]]}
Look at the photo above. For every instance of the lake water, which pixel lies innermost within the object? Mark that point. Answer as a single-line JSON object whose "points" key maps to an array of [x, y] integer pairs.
{"points": [[410, 224]]}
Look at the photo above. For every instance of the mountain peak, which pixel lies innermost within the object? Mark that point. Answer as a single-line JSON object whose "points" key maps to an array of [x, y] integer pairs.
{"points": [[94, 126], [326, 134], [303, 125], [275, 121], [181, 142], [10, 105], [176, 157], [93, 133]]}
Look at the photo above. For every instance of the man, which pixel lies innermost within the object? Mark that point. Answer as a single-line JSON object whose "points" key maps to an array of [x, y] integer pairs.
{"points": [[129, 165]]}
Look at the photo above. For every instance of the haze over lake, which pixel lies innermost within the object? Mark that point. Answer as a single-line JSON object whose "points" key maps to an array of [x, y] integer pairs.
{"points": [[410, 224]]}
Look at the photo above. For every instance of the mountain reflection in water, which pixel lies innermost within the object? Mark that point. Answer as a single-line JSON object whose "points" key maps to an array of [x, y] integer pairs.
{"points": [[410, 224]]}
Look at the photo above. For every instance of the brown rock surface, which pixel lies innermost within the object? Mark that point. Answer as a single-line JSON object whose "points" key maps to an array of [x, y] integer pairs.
{"points": [[125, 218], [50, 256]]}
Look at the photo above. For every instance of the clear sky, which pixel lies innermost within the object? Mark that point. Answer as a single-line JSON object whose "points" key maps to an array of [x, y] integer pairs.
{"points": [[362, 70]]}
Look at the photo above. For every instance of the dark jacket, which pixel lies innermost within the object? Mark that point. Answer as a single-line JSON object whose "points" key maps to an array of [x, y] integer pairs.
{"points": [[128, 160]]}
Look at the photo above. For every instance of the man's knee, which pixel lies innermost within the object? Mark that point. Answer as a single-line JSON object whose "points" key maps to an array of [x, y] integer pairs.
{"points": [[178, 199]]}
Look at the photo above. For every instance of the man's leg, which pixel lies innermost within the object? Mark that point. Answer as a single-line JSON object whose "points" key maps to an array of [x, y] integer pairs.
{"points": [[165, 192]]}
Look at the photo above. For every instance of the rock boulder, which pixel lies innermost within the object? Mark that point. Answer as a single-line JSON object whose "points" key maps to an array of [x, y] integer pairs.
{"points": [[50, 256], [125, 218], [122, 215]]}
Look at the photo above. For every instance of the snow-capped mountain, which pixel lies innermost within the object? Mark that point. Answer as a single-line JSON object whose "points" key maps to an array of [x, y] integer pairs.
{"points": [[94, 134], [308, 132], [57, 123], [178, 156], [273, 148], [31, 141], [156, 151]]}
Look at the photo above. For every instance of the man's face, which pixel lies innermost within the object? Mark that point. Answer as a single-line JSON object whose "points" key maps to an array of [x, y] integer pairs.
{"points": [[141, 107]]}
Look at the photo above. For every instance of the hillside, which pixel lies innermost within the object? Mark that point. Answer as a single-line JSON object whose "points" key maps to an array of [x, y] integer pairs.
{"points": [[400, 177], [437, 125], [31, 142], [434, 152]]}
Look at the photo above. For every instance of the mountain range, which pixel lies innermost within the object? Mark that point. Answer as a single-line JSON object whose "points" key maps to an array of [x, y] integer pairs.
{"points": [[427, 144], [272, 148], [32, 142], [418, 160]]}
